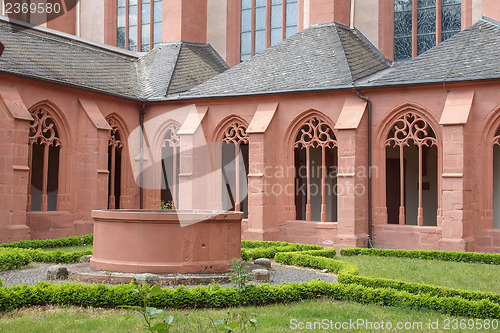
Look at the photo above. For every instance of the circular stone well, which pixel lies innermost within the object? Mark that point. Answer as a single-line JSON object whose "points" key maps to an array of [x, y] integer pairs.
{"points": [[166, 241]]}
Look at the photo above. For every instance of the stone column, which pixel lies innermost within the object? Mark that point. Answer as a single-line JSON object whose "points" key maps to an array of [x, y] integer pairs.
{"points": [[14, 170], [91, 165], [457, 227], [456, 219], [352, 177], [262, 219]]}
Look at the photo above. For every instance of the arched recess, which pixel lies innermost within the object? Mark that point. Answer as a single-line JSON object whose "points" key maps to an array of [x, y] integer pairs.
{"points": [[48, 159], [408, 147], [231, 162], [165, 149], [311, 159], [490, 171], [119, 186]]}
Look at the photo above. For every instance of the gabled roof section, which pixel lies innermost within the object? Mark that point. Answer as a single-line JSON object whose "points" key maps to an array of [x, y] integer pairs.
{"points": [[322, 56], [52, 56], [472, 54], [41, 54], [172, 68]]}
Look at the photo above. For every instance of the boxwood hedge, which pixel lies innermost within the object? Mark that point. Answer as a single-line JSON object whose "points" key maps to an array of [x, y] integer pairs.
{"points": [[351, 286], [486, 258]]}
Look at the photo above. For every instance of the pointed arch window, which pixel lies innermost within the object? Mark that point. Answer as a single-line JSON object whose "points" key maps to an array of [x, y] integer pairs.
{"points": [[411, 169], [170, 149], [234, 143], [316, 160], [496, 180], [43, 160], [115, 146]]}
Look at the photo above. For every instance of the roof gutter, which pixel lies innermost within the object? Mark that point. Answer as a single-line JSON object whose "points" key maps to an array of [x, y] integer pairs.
{"points": [[370, 222]]}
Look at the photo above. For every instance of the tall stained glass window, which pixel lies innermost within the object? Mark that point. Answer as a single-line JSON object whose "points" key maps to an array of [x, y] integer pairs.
{"points": [[138, 24], [451, 18], [426, 25], [402, 29], [263, 31], [427, 34]]}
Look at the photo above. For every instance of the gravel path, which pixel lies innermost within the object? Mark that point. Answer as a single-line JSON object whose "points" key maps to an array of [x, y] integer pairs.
{"points": [[35, 272]]}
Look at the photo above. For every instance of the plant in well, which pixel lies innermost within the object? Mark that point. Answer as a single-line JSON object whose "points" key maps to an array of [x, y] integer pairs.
{"points": [[166, 205]]}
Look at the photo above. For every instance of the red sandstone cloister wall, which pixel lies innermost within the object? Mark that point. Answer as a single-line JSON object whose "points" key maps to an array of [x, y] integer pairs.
{"points": [[465, 212], [464, 216], [83, 174]]}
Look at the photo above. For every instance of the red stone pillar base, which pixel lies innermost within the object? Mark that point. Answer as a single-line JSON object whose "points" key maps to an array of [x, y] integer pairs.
{"points": [[344, 241], [453, 244], [13, 233]]}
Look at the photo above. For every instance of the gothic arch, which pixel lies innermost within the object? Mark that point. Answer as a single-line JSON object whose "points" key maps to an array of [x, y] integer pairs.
{"points": [[117, 123], [297, 123], [314, 119], [231, 131], [220, 129], [387, 123], [159, 172], [64, 167], [490, 126]]}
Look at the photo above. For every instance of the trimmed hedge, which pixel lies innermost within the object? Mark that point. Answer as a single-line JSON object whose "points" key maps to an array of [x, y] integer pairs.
{"points": [[48, 243], [265, 249], [13, 258], [487, 258], [417, 288], [452, 301], [215, 296], [317, 260]]}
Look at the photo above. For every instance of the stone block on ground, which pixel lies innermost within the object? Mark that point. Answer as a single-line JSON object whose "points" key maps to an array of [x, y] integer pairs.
{"points": [[85, 258], [263, 262], [57, 272], [148, 278], [261, 275]]}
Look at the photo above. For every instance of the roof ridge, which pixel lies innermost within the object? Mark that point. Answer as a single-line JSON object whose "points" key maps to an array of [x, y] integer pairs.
{"points": [[179, 50], [345, 59], [489, 20]]}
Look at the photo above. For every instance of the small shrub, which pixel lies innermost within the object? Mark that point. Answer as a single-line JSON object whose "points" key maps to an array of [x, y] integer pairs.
{"points": [[240, 275], [166, 205], [145, 311]]}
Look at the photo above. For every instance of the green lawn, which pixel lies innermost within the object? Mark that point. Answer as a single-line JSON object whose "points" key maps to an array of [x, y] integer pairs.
{"points": [[278, 318], [443, 273]]}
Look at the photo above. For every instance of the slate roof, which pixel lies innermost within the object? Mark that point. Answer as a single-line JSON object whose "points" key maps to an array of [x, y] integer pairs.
{"points": [[57, 57], [322, 56], [472, 54]]}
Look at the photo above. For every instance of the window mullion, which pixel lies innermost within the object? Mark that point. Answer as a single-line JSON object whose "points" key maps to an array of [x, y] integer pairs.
{"points": [[268, 23], [414, 26], [253, 29], [126, 23], [283, 21], [139, 25], [438, 21], [151, 24]]}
